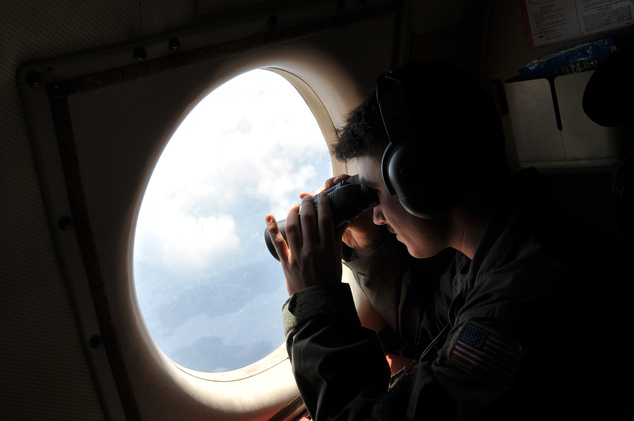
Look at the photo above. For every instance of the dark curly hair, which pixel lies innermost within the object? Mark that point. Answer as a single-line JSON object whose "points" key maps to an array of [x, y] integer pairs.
{"points": [[363, 133]]}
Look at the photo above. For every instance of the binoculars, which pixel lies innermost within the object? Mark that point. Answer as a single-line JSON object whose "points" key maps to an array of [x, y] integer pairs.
{"points": [[347, 200]]}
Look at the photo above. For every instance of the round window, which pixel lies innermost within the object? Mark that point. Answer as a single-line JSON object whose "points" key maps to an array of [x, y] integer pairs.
{"points": [[208, 289]]}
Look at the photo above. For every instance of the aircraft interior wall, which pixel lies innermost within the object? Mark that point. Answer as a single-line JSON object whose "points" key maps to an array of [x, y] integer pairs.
{"points": [[52, 366]]}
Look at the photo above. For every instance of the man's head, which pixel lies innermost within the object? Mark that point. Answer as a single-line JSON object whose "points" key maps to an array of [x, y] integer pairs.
{"points": [[455, 141], [455, 134]]}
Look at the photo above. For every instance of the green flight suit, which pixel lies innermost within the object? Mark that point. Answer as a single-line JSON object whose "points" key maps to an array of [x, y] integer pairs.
{"points": [[536, 326]]}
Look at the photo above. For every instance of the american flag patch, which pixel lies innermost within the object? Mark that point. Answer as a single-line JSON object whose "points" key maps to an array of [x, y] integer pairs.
{"points": [[487, 354]]}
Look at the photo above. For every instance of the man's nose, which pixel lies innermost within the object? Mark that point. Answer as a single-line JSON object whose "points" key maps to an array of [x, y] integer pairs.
{"points": [[377, 216]]}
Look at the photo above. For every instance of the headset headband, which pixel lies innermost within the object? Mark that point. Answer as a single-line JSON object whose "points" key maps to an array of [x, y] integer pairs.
{"points": [[390, 97]]}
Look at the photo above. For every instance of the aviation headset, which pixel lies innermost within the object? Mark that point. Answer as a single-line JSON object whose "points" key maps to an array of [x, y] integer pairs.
{"points": [[424, 173]]}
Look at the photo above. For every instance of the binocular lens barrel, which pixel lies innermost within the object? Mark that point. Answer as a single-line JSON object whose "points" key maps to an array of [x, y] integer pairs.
{"points": [[347, 200]]}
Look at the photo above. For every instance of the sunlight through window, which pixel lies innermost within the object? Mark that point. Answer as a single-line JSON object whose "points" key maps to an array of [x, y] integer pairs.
{"points": [[209, 291]]}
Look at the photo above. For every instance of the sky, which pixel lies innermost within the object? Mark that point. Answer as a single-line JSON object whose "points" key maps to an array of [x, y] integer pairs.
{"points": [[208, 289]]}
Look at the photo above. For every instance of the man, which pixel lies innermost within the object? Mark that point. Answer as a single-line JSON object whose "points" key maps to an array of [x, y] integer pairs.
{"points": [[508, 304]]}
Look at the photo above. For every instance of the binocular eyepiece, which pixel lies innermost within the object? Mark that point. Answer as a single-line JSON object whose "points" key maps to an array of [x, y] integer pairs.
{"points": [[347, 200]]}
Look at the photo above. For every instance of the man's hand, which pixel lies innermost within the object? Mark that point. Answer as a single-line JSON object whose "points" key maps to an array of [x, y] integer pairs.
{"points": [[312, 255], [362, 235]]}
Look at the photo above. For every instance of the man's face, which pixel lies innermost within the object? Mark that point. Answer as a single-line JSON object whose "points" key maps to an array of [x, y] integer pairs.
{"points": [[422, 237]]}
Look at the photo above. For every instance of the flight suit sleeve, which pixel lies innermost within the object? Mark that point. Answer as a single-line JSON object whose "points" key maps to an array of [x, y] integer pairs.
{"points": [[339, 366]]}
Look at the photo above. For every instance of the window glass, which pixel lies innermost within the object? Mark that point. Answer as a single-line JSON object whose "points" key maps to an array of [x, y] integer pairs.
{"points": [[208, 288]]}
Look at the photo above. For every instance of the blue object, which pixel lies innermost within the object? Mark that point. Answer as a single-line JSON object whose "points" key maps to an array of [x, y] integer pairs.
{"points": [[575, 60]]}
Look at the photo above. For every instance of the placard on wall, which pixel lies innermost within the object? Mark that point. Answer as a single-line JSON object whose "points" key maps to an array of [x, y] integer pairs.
{"points": [[548, 22]]}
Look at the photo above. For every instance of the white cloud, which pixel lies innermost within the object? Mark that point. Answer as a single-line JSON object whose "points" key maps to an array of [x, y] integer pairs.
{"points": [[180, 242], [191, 243], [231, 144], [236, 157]]}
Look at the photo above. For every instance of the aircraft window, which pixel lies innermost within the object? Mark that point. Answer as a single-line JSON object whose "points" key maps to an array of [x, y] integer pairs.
{"points": [[209, 290]]}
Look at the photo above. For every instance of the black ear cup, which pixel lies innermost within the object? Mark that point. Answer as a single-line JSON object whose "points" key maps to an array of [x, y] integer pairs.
{"points": [[413, 167], [425, 183]]}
